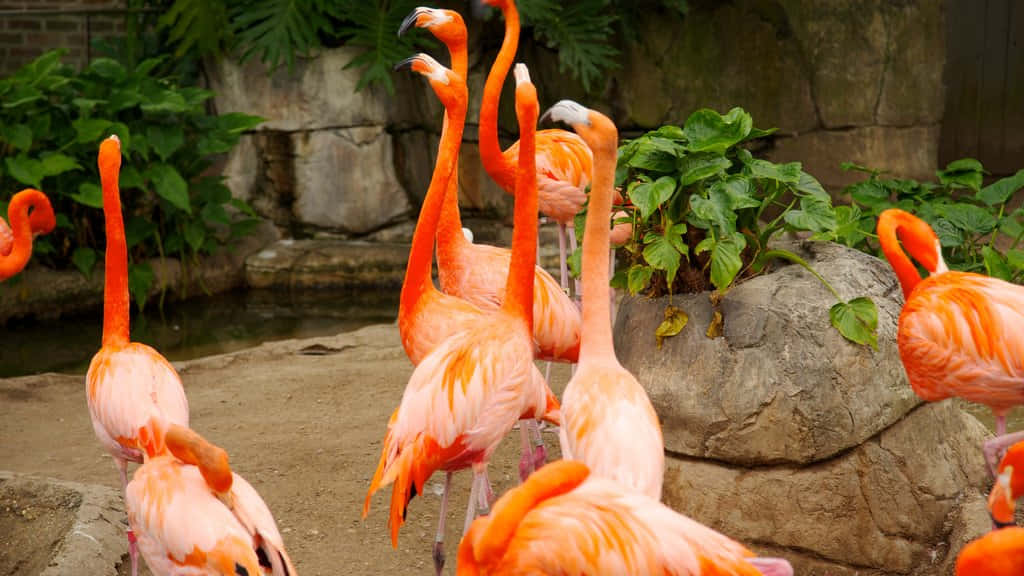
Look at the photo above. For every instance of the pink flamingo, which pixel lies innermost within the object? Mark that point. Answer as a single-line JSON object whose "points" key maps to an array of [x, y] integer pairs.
{"points": [[563, 521], [960, 334], [193, 515], [998, 553], [469, 392], [608, 422], [132, 391], [31, 214]]}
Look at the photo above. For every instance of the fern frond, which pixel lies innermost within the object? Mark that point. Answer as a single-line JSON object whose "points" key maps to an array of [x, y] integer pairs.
{"points": [[373, 26], [581, 31], [279, 30]]}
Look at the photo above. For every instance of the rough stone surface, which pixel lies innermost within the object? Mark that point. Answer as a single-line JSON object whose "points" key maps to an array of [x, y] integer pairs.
{"points": [[912, 89], [320, 93], [59, 528], [328, 263], [781, 385], [905, 152], [891, 504], [345, 180]]}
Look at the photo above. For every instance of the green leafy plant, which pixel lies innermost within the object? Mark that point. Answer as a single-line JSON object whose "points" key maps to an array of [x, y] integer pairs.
{"points": [[704, 211], [977, 228], [51, 123]]}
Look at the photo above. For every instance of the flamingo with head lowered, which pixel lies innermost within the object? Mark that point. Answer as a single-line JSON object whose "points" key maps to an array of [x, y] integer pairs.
{"points": [[193, 515], [563, 520], [468, 392], [608, 422], [30, 214], [477, 272], [960, 334], [133, 393]]}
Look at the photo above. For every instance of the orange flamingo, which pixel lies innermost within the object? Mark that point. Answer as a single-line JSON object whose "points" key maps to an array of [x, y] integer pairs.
{"points": [[562, 521], [193, 515], [1009, 486], [608, 421], [31, 214], [999, 553], [132, 391], [960, 334], [469, 392], [427, 317], [477, 273]]}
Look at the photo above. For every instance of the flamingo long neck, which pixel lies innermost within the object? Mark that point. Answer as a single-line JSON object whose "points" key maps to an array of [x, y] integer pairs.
{"points": [[906, 272], [500, 168], [417, 273], [21, 251], [116, 317], [596, 328], [449, 231], [519, 286]]}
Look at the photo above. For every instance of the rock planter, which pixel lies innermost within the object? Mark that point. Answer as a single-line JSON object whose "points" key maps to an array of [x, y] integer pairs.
{"points": [[784, 435]]}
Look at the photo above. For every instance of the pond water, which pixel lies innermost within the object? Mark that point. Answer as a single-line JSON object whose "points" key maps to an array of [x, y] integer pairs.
{"points": [[1014, 420], [194, 328]]}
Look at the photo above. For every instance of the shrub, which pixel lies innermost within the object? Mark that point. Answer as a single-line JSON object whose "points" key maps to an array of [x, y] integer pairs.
{"points": [[704, 211], [51, 123]]}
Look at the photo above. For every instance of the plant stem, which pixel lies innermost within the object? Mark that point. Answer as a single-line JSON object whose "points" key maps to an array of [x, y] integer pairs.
{"points": [[787, 255]]}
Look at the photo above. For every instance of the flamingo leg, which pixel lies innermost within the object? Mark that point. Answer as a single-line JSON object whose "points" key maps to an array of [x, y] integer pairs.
{"points": [[471, 507], [540, 452], [133, 550], [611, 291], [995, 447], [563, 262], [439, 538], [577, 289], [525, 460]]}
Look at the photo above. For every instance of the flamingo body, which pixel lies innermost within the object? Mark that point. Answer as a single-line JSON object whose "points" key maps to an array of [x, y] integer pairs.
{"points": [[564, 166], [563, 522], [962, 334], [184, 527], [999, 553]]}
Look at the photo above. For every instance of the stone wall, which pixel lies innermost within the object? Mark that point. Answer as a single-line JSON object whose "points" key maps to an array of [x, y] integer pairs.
{"points": [[842, 81]]}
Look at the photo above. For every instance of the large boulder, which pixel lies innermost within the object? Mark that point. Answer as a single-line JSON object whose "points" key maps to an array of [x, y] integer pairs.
{"points": [[781, 385], [784, 435]]}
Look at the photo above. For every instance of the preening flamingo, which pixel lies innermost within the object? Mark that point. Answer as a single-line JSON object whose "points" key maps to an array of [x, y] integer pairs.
{"points": [[469, 392], [477, 272], [999, 553], [427, 317], [960, 334], [563, 521], [30, 214], [1009, 486], [132, 391], [193, 515], [607, 420]]}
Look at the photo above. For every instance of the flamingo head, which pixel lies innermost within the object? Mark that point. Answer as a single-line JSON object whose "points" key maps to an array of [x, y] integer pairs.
{"points": [[449, 86], [110, 155], [1001, 504], [446, 25], [526, 93], [917, 237], [500, 4], [596, 129]]}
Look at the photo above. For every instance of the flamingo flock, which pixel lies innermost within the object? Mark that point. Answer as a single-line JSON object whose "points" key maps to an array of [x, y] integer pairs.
{"points": [[474, 343]]}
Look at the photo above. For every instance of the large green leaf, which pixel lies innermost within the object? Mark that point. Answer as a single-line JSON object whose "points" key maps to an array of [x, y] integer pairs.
{"points": [[137, 229], [726, 260], [662, 254], [786, 173], [674, 322], [25, 170], [1015, 258], [89, 194], [738, 189], [236, 122], [90, 130], [963, 173], [995, 264], [869, 193], [648, 196], [165, 139], [170, 185], [653, 160], [856, 320], [809, 185], [140, 282], [195, 235], [695, 167], [815, 215], [1001, 190], [58, 163], [638, 278], [968, 217], [709, 131], [84, 259], [19, 135], [108, 69], [714, 209]]}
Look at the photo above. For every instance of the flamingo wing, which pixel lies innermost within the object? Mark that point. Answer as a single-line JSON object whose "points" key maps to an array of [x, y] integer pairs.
{"points": [[133, 393], [962, 335], [252, 512], [564, 166], [436, 317], [610, 425]]}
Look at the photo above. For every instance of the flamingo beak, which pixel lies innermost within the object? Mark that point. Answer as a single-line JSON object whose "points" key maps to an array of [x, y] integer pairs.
{"points": [[412, 19]]}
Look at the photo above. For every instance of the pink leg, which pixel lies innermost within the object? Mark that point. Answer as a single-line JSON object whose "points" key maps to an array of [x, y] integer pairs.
{"points": [[133, 550], [611, 291], [540, 453], [479, 495], [439, 538], [995, 447], [577, 289], [525, 460], [772, 566], [563, 262], [471, 507]]}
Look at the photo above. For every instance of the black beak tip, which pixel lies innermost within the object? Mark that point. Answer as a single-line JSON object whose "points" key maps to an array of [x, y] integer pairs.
{"points": [[1000, 525], [409, 21], [545, 117], [405, 64]]}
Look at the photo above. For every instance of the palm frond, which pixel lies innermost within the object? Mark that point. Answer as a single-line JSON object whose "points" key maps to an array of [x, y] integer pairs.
{"points": [[373, 26], [279, 30], [582, 32], [196, 24]]}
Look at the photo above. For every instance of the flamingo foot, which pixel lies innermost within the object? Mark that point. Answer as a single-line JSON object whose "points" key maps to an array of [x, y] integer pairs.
{"points": [[540, 457], [994, 448], [438, 557]]}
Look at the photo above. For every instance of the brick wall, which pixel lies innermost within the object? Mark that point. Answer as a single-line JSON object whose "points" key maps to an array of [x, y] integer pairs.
{"points": [[49, 24]]}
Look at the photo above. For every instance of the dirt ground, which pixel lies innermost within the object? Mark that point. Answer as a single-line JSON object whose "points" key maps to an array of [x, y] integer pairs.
{"points": [[302, 420]]}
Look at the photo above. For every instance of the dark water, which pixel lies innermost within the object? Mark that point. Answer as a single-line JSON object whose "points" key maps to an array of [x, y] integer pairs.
{"points": [[1014, 420], [194, 328]]}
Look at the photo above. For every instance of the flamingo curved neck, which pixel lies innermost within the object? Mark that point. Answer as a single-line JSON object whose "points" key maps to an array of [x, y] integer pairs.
{"points": [[116, 319], [519, 285], [905, 270], [449, 231], [596, 328], [417, 273], [21, 250], [501, 169]]}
